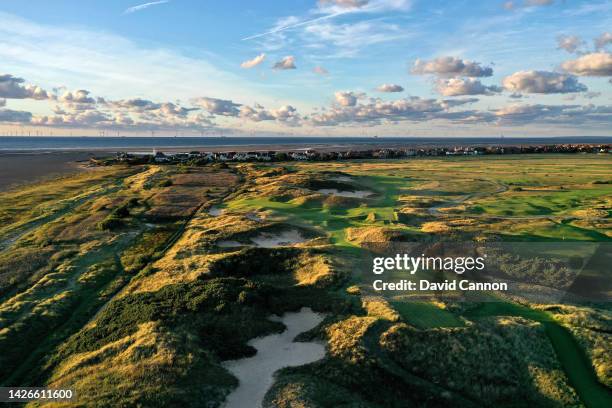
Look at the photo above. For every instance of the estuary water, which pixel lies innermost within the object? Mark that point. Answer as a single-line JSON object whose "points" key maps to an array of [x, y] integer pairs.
{"points": [[114, 143]]}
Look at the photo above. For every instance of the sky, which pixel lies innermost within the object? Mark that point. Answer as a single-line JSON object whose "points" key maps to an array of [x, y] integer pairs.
{"points": [[306, 67]]}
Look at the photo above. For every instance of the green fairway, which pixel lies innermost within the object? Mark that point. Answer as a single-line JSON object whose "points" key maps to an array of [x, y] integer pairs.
{"points": [[426, 315]]}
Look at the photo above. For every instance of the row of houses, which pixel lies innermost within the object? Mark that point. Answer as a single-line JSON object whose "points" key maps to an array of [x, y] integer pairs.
{"points": [[386, 153]]}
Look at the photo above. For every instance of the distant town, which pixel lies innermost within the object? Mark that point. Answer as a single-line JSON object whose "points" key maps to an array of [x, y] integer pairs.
{"points": [[199, 157]]}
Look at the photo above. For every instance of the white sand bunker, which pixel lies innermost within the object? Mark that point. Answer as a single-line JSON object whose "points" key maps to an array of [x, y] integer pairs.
{"points": [[343, 179], [215, 211], [340, 193], [229, 244], [254, 217], [256, 374], [269, 240]]}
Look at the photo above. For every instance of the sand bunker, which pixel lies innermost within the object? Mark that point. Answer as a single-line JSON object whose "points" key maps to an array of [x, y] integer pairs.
{"points": [[340, 193], [215, 211], [269, 240], [342, 179], [229, 244], [254, 217], [256, 374]]}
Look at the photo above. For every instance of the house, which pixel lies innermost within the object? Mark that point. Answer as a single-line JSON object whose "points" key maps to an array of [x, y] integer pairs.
{"points": [[299, 156], [265, 156], [160, 158], [226, 156], [123, 156], [241, 156]]}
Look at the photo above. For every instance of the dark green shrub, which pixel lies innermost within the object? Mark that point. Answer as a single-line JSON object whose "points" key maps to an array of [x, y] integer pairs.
{"points": [[121, 212], [164, 183], [110, 223]]}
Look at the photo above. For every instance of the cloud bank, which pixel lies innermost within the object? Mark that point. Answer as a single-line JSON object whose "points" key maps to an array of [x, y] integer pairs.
{"points": [[450, 66], [542, 82]]}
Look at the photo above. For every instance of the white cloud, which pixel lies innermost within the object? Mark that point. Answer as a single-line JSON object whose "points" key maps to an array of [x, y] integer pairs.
{"points": [[141, 7], [594, 64], [330, 9], [418, 110], [542, 82], [512, 5], [291, 22], [12, 87], [450, 66], [256, 113], [287, 62], [464, 86], [363, 6], [286, 114], [390, 88], [2, 103], [14, 117], [111, 65], [344, 3], [377, 111], [509, 5], [253, 62], [603, 40], [135, 105], [349, 38], [591, 95], [80, 96], [555, 114], [345, 98], [320, 70], [569, 43], [216, 106], [535, 3]]}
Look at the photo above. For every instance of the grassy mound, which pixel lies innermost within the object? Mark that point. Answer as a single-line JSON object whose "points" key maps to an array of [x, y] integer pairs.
{"points": [[359, 236], [496, 362]]}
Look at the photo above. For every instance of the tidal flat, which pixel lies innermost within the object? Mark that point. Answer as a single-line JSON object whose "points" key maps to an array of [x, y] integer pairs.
{"points": [[23, 168]]}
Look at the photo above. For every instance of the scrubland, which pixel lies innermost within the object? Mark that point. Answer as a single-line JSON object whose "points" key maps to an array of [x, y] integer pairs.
{"points": [[122, 284]]}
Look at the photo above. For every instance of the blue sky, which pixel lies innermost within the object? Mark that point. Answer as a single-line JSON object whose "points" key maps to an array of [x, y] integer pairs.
{"points": [[341, 67]]}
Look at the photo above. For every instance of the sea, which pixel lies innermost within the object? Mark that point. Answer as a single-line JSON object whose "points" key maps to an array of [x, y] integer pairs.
{"points": [[80, 143]]}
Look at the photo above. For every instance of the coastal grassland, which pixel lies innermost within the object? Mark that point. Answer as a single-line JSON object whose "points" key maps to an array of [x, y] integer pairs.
{"points": [[193, 305], [66, 265], [150, 286], [27, 207], [198, 323]]}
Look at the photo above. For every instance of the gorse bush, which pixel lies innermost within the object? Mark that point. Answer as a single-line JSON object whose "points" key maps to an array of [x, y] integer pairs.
{"points": [[121, 211], [256, 261], [165, 183], [110, 223]]}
